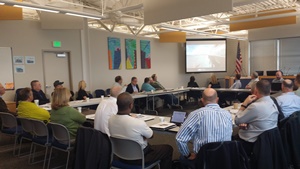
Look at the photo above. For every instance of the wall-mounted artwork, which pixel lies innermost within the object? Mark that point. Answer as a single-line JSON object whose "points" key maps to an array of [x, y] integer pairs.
{"points": [[19, 69], [114, 53], [145, 54], [29, 59], [130, 49], [18, 60]]}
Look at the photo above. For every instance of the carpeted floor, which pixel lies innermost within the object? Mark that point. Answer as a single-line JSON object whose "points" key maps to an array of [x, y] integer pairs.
{"points": [[8, 161]]}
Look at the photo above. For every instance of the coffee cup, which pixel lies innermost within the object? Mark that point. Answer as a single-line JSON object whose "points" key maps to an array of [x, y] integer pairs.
{"points": [[235, 105], [79, 109], [162, 119], [87, 99], [102, 97], [36, 101]]}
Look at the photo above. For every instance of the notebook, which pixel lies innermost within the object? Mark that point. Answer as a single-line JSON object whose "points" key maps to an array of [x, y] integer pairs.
{"points": [[178, 117], [145, 117], [163, 126]]}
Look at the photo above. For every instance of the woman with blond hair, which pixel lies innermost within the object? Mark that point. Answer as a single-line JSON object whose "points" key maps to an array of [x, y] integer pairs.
{"points": [[63, 114], [214, 82], [82, 94]]}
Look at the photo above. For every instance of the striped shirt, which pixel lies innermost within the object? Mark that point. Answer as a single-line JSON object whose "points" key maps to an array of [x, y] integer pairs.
{"points": [[205, 125]]}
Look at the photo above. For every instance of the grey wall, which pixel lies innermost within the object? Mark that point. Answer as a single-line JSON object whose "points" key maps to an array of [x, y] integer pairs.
{"points": [[167, 59], [27, 39]]}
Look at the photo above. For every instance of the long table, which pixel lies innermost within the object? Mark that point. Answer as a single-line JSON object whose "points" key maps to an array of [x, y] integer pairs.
{"points": [[222, 89]]}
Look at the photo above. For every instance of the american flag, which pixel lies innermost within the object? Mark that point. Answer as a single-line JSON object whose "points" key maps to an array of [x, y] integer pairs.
{"points": [[238, 61]]}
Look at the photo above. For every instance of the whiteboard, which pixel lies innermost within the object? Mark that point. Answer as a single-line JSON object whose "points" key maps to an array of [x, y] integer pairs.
{"points": [[6, 68]]}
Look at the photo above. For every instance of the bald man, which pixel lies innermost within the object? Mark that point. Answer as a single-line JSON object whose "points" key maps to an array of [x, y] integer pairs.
{"points": [[106, 109], [125, 126], [278, 78], [204, 125], [288, 100]]}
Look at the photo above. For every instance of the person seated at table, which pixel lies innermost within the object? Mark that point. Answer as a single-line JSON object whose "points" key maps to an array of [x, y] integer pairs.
{"points": [[107, 108], [278, 78], [118, 82], [258, 113], [288, 100], [63, 114], [194, 94], [27, 109], [297, 83], [82, 94], [38, 93], [155, 83], [254, 78], [148, 88], [58, 84], [3, 106], [237, 84], [133, 87], [202, 126], [214, 82], [125, 126], [230, 96], [170, 99]]}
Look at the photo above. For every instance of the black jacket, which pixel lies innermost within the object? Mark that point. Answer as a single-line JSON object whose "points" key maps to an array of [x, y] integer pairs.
{"points": [[92, 149], [40, 95], [3, 106], [223, 155], [290, 134], [81, 93], [129, 88], [268, 152]]}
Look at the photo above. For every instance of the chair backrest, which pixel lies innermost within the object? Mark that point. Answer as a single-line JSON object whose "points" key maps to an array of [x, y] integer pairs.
{"points": [[99, 93], [107, 91], [60, 133], [225, 155], [26, 124], [8, 120], [39, 128], [127, 149]]}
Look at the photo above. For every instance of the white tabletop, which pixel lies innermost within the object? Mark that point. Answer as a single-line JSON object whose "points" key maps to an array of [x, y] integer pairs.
{"points": [[222, 89]]}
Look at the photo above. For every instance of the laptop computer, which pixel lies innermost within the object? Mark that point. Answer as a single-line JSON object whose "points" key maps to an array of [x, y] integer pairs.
{"points": [[276, 87], [271, 73], [178, 117]]}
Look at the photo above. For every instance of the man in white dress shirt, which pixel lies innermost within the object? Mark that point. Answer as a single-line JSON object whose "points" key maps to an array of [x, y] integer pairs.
{"points": [[106, 109], [288, 100], [127, 127], [254, 78]]}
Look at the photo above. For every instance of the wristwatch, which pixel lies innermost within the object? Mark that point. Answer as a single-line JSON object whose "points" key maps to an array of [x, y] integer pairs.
{"points": [[244, 106]]}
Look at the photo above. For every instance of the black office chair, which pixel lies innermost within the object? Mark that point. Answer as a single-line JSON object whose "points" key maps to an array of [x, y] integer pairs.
{"points": [[225, 155], [99, 93]]}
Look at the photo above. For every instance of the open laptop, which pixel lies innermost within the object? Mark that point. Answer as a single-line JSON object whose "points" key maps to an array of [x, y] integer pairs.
{"points": [[275, 86], [178, 117]]}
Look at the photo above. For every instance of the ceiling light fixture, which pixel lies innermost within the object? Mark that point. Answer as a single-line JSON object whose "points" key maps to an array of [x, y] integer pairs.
{"points": [[1, 3], [84, 16], [34, 8]]}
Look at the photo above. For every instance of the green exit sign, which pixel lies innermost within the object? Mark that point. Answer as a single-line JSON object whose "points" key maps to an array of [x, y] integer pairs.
{"points": [[56, 44]]}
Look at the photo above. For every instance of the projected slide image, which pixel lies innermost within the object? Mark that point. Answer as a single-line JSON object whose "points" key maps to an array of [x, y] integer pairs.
{"points": [[205, 56]]}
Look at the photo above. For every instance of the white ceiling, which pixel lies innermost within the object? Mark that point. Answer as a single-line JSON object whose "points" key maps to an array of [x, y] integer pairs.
{"points": [[127, 16]]}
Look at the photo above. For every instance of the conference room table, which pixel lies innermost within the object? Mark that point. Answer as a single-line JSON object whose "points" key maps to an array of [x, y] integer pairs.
{"points": [[222, 89]]}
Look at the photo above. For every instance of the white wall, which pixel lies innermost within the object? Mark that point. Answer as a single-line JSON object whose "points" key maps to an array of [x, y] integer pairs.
{"points": [[28, 39], [167, 59]]}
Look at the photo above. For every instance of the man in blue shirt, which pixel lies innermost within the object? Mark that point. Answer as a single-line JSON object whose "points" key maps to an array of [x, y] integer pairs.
{"points": [[205, 125], [288, 100], [237, 84]]}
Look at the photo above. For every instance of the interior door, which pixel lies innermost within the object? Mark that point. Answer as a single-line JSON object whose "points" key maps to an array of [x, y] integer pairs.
{"points": [[56, 67]]}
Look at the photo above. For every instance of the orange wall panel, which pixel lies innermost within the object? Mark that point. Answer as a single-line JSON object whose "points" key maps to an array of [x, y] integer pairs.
{"points": [[10, 13]]}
